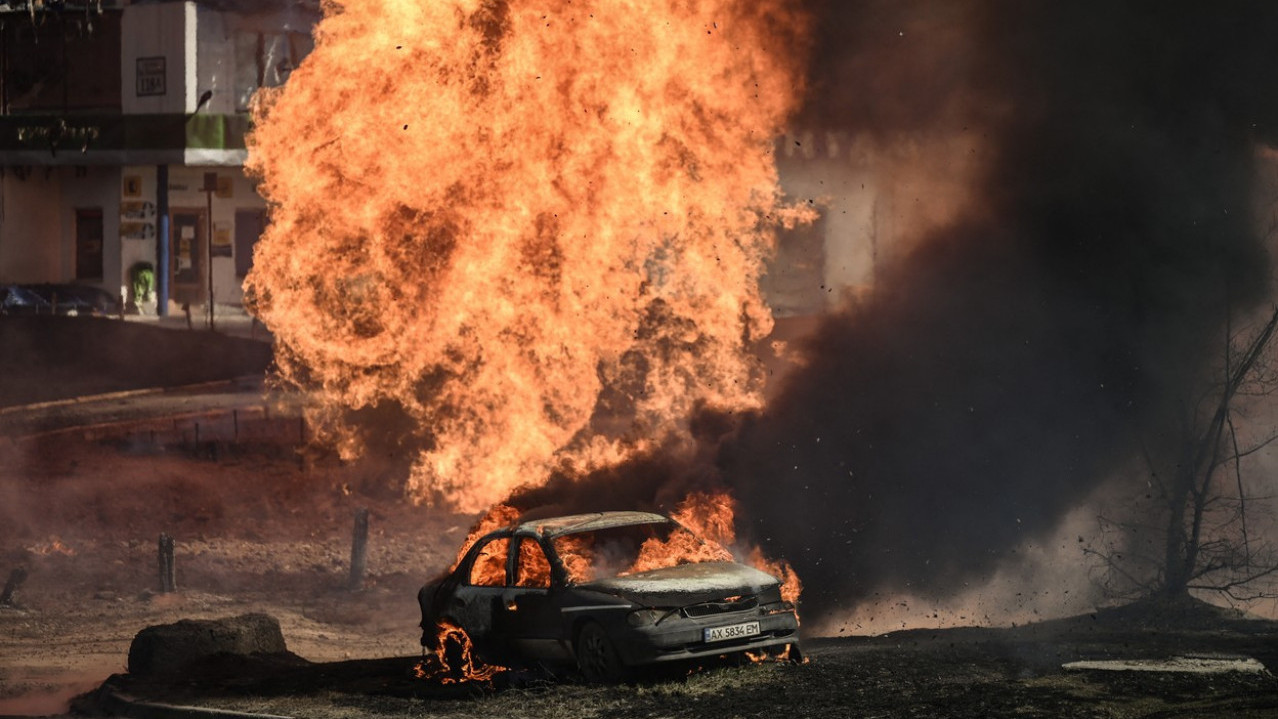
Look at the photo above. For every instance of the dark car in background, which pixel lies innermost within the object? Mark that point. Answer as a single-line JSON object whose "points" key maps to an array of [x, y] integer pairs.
{"points": [[72, 299], [18, 300], [57, 299], [607, 592]]}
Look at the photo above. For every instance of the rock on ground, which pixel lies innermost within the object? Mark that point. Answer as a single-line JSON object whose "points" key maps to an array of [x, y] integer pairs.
{"points": [[169, 648]]}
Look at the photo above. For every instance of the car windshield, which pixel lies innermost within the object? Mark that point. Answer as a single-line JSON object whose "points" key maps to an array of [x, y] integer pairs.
{"points": [[622, 551]]}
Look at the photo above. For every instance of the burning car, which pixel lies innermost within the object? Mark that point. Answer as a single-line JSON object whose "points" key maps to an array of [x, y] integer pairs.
{"points": [[607, 592]]}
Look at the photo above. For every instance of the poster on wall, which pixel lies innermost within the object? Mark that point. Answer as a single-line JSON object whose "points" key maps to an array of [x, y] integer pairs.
{"points": [[137, 210], [221, 241], [133, 230], [132, 186], [186, 249]]}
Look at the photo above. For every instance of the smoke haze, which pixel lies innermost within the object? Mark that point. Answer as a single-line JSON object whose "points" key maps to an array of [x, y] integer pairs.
{"points": [[1003, 368]]}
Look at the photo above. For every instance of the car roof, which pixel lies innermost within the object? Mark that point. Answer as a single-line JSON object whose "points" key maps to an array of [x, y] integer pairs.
{"points": [[558, 526]]}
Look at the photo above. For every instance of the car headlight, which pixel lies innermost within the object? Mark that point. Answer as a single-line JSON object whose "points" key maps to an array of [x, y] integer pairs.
{"points": [[644, 617], [778, 608]]}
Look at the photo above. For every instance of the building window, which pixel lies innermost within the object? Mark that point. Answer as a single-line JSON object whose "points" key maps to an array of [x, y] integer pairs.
{"points": [[60, 61], [88, 244], [266, 60]]}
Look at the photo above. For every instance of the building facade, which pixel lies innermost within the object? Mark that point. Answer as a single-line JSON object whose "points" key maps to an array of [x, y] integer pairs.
{"points": [[122, 129]]}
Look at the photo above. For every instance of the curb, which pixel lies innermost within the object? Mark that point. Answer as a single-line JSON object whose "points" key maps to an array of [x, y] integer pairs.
{"points": [[124, 706], [124, 394]]}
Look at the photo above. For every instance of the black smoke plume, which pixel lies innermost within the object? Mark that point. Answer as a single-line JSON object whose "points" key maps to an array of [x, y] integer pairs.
{"points": [[1005, 367], [1000, 371]]}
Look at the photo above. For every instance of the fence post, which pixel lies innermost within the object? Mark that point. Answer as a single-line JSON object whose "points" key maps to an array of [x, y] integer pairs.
{"points": [[168, 582], [16, 578], [359, 550]]}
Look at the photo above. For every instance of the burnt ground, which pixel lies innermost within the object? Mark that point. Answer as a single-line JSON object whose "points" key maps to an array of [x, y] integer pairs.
{"points": [[261, 525], [949, 673]]}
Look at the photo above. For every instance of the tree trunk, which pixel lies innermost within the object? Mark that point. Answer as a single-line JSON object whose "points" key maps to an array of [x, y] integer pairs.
{"points": [[1176, 566]]}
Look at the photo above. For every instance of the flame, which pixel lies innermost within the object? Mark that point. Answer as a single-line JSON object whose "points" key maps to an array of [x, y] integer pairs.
{"points": [[535, 229], [709, 528], [54, 545], [791, 586], [785, 655], [453, 661], [712, 516], [709, 521], [534, 568], [577, 555], [501, 515]]}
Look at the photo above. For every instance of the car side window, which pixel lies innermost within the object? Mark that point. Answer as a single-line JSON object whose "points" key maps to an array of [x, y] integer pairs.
{"points": [[489, 569], [534, 569]]}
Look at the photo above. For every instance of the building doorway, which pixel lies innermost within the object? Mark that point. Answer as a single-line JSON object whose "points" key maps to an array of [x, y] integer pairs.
{"points": [[189, 252], [88, 244]]}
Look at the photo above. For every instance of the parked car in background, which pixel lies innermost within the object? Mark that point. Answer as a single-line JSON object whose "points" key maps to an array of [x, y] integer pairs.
{"points": [[73, 299], [18, 300], [607, 592]]}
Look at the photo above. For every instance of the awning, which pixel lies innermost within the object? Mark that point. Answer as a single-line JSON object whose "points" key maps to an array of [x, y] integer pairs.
{"points": [[200, 139]]}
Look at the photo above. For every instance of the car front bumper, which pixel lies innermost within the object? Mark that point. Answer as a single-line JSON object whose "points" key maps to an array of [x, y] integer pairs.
{"points": [[680, 637]]}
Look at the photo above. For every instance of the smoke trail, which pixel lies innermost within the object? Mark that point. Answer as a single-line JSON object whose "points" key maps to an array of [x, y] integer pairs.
{"points": [[999, 371]]}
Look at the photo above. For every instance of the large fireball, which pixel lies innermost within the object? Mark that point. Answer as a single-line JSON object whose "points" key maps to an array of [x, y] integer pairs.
{"points": [[511, 220]]}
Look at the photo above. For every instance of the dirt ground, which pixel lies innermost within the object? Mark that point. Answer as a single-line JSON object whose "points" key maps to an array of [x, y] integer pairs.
{"points": [[254, 531], [262, 526]]}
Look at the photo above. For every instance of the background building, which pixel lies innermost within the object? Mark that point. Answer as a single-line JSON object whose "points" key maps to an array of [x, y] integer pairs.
{"points": [[122, 131]]}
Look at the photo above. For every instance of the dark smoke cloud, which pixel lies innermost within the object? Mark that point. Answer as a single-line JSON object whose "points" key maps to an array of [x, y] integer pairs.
{"points": [[1010, 362], [1001, 370]]}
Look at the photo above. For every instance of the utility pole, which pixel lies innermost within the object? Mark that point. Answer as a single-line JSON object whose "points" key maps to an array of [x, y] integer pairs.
{"points": [[210, 186]]}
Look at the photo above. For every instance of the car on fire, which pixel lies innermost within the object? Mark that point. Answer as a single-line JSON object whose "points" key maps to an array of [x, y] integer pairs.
{"points": [[608, 592]]}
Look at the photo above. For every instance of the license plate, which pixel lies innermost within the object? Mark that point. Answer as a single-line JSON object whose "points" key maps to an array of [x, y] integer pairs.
{"points": [[732, 631]]}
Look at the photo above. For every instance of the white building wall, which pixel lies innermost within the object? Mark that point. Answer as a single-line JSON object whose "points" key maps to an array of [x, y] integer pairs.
{"points": [[215, 62], [878, 201], [38, 224], [91, 188], [138, 246], [839, 183], [185, 192], [30, 225], [159, 30]]}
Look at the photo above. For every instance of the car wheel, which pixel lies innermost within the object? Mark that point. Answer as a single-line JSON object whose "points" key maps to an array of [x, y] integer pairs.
{"points": [[597, 658]]}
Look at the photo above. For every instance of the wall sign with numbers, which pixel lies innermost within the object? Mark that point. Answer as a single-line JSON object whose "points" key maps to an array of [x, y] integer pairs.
{"points": [[151, 77]]}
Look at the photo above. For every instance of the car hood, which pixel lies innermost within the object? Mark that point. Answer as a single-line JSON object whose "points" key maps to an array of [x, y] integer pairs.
{"points": [[685, 584]]}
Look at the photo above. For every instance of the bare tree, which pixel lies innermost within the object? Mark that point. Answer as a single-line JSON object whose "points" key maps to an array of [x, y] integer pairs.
{"points": [[1203, 538]]}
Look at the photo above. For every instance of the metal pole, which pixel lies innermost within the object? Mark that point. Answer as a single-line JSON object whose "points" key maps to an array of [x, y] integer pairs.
{"points": [[208, 252], [162, 241]]}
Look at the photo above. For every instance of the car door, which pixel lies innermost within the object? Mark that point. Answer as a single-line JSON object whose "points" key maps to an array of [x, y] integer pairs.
{"points": [[476, 602], [530, 605]]}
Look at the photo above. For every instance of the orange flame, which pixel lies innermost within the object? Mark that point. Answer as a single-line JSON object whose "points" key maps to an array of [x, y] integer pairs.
{"points": [[453, 661], [501, 515], [713, 516], [709, 519], [535, 228]]}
